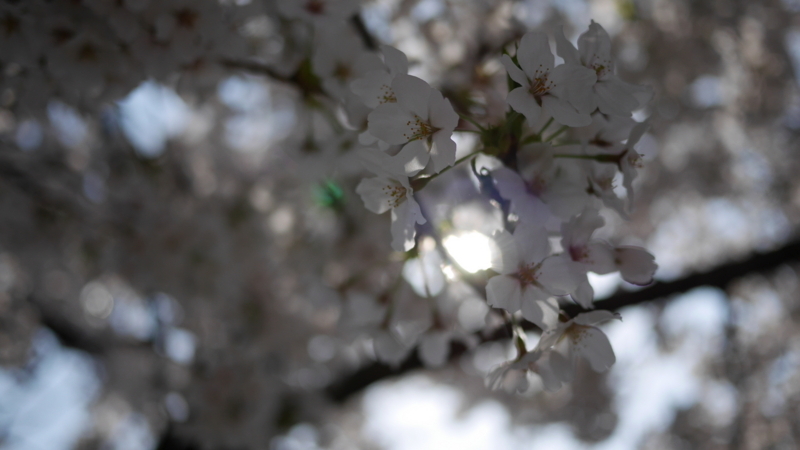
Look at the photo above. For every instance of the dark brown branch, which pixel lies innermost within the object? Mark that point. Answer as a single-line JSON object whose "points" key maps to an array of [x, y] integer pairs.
{"points": [[721, 277]]}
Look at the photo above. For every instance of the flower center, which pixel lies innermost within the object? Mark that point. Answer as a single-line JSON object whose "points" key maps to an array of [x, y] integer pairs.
{"points": [[527, 274], [396, 194], [601, 67], [576, 333], [386, 95], [418, 129], [634, 159], [578, 253], [186, 18], [536, 186], [315, 7], [540, 83], [87, 53], [342, 72]]}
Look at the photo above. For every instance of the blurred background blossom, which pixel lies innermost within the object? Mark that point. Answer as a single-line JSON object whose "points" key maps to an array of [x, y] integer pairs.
{"points": [[176, 248]]}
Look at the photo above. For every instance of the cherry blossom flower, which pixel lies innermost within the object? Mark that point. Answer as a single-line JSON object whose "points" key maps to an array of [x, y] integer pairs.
{"points": [[544, 191], [512, 376], [558, 351], [391, 190], [610, 94], [529, 277], [421, 120], [375, 87], [339, 58], [630, 160], [589, 255], [560, 91], [635, 264]]}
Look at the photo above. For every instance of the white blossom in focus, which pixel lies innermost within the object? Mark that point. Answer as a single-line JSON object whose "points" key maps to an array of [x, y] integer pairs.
{"points": [[544, 190], [375, 87], [589, 255], [560, 91], [559, 349], [421, 120], [610, 94], [391, 190], [529, 276]]}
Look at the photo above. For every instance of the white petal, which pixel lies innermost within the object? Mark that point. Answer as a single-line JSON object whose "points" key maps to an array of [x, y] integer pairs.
{"points": [[413, 157], [566, 197], [390, 122], [559, 275], [381, 164], [636, 265], [366, 63], [534, 53], [563, 112], [613, 97], [594, 45], [636, 133], [540, 309], [532, 243], [443, 152], [592, 344], [599, 258], [566, 50], [412, 93], [502, 291], [580, 228], [434, 348], [508, 183], [373, 193], [515, 72], [584, 294], [532, 210], [373, 88], [576, 81], [404, 218], [395, 60], [524, 103], [442, 114], [505, 255]]}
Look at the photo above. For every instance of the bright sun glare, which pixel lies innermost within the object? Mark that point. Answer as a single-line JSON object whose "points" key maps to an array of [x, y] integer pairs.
{"points": [[472, 251]]}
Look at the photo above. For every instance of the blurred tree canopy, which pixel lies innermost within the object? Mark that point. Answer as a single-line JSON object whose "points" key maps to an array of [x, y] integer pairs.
{"points": [[178, 203]]}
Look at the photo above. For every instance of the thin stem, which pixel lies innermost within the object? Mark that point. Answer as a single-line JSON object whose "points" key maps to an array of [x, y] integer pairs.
{"points": [[566, 155], [423, 181], [566, 143], [554, 135], [472, 121], [531, 139], [545, 126], [459, 161], [610, 159]]}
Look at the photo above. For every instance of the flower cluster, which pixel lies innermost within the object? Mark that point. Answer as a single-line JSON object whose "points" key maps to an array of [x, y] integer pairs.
{"points": [[93, 51], [555, 184]]}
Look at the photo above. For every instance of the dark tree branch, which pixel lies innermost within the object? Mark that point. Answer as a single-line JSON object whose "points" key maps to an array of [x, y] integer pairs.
{"points": [[721, 277]]}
